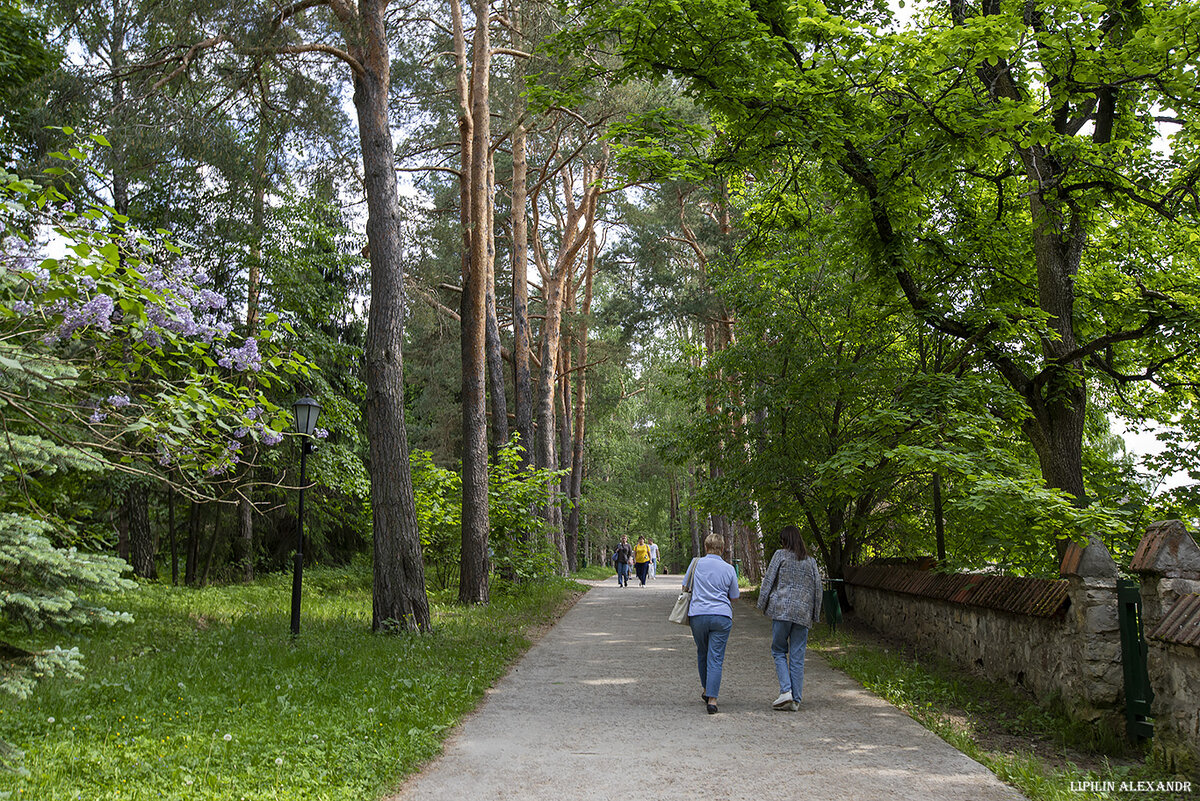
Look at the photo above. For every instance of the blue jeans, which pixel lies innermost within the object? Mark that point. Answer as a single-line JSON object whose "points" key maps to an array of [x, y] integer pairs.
{"points": [[789, 641], [710, 632], [622, 573]]}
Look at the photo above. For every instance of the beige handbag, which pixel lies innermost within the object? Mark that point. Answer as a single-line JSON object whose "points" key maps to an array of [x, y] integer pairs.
{"points": [[679, 612]]}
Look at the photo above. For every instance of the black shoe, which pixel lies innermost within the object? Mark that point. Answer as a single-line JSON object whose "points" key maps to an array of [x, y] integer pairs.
{"points": [[712, 708], [704, 697]]}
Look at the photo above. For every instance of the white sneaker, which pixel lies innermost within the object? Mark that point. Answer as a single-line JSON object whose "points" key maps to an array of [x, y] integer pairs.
{"points": [[783, 702]]}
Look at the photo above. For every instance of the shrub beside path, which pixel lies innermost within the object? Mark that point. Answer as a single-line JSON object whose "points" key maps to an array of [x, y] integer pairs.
{"points": [[606, 706]]}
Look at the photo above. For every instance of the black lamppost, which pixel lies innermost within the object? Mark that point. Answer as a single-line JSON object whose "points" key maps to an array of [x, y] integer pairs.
{"points": [[306, 411]]}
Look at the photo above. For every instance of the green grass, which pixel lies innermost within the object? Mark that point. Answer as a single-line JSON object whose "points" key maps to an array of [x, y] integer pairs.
{"points": [[206, 695], [594, 573], [961, 708]]}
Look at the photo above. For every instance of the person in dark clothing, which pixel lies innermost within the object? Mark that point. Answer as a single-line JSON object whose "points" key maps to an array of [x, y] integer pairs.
{"points": [[622, 556]]}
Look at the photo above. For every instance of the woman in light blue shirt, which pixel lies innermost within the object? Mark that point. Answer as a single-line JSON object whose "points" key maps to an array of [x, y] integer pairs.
{"points": [[714, 586]]}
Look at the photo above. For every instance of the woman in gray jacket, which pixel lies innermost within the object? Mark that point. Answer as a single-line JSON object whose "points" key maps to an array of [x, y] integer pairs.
{"points": [[791, 597]]}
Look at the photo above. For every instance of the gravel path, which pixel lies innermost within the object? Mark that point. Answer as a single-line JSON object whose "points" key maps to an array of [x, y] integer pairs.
{"points": [[607, 706]]}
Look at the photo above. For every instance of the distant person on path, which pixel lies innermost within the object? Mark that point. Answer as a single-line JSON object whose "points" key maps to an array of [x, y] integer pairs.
{"points": [[641, 560], [621, 557], [714, 586], [791, 597], [653, 559]]}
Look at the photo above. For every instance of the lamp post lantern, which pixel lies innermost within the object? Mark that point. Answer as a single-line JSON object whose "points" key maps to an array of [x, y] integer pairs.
{"points": [[306, 411]]}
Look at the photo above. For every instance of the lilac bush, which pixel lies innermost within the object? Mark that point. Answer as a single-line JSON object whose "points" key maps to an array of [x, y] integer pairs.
{"points": [[154, 364]]}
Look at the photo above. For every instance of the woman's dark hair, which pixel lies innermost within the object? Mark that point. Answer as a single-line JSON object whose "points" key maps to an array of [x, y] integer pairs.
{"points": [[793, 540]]}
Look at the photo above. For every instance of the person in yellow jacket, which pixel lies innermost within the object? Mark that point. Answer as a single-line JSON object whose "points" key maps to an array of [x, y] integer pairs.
{"points": [[641, 560]]}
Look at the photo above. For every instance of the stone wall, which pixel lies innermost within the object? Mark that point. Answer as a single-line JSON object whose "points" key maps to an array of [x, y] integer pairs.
{"points": [[1072, 651], [1069, 647], [1168, 563]]}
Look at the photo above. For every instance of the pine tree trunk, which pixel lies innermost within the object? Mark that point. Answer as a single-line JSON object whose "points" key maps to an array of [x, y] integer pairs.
{"points": [[123, 528], [564, 448], [212, 547], [141, 538], [245, 555], [399, 598], [522, 379], [547, 428], [174, 539], [191, 560], [694, 530], [576, 486], [495, 358], [673, 522], [474, 567]]}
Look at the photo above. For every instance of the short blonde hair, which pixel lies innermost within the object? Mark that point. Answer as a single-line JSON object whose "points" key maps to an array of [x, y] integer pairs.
{"points": [[714, 543]]}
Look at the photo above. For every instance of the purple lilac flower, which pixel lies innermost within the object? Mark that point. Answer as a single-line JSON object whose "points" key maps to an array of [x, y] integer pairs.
{"points": [[23, 307], [154, 281], [41, 276], [244, 358], [184, 321], [272, 437], [320, 433], [253, 413], [241, 432], [87, 282], [16, 255], [211, 330], [210, 299], [97, 311], [69, 207], [98, 416], [118, 401]]}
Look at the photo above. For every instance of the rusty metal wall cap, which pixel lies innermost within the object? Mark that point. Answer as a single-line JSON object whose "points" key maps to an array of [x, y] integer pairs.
{"points": [[1016, 594], [1167, 550], [1090, 561], [1182, 623]]}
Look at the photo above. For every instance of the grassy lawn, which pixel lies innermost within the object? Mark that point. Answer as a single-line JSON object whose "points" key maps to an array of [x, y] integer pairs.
{"points": [[594, 573], [1038, 750], [206, 696]]}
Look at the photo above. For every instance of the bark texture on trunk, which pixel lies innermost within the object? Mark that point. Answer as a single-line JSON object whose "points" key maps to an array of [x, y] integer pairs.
{"points": [[474, 567], [522, 379], [174, 541], [245, 555], [564, 455], [576, 485], [399, 598], [213, 542], [141, 538], [495, 358], [191, 558], [694, 530]]}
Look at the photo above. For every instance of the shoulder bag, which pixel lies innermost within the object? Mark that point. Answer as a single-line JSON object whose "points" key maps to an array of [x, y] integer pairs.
{"points": [[679, 612]]}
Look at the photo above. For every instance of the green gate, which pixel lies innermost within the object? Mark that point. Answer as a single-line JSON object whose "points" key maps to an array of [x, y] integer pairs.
{"points": [[1138, 694]]}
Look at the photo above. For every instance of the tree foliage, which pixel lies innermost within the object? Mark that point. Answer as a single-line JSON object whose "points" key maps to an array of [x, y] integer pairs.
{"points": [[1024, 175]]}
